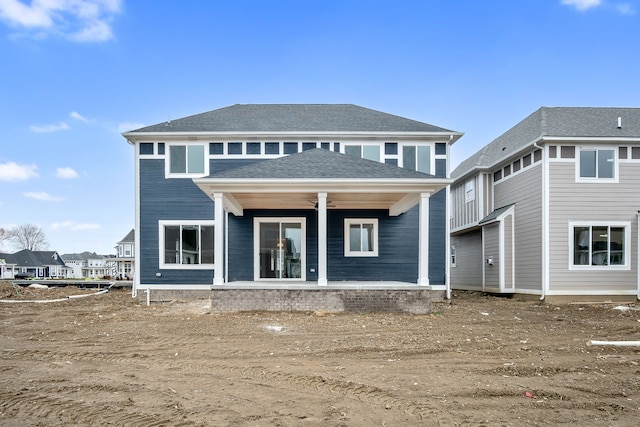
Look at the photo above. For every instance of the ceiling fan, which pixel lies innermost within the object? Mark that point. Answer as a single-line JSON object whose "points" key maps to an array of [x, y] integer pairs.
{"points": [[329, 204]]}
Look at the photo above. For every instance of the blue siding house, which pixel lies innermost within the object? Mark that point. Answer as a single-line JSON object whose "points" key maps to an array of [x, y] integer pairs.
{"points": [[293, 206]]}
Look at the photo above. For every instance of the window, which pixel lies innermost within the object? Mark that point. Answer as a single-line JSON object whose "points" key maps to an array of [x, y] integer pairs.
{"points": [[470, 190], [146, 148], [453, 256], [187, 160], [360, 237], [370, 152], [598, 164], [186, 243], [417, 158], [600, 245]]}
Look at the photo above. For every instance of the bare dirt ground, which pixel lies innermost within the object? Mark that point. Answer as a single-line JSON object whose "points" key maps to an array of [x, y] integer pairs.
{"points": [[479, 360]]}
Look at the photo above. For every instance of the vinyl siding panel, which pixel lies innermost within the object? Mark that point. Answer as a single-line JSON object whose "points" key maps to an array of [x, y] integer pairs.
{"points": [[168, 199], [463, 213], [437, 237], [491, 239], [525, 190], [467, 274], [571, 201], [507, 239]]}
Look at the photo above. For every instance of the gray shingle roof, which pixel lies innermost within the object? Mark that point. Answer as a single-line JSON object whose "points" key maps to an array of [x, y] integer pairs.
{"points": [[27, 258], [292, 118], [319, 164], [495, 214], [575, 122], [130, 237]]}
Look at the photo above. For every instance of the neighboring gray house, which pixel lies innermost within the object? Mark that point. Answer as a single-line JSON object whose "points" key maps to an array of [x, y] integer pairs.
{"points": [[256, 202], [550, 208], [39, 264]]}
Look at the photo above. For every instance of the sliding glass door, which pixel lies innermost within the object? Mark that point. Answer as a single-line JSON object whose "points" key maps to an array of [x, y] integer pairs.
{"points": [[280, 248]]}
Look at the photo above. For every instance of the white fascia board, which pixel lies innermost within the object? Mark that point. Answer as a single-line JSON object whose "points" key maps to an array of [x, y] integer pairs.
{"points": [[444, 137], [322, 185]]}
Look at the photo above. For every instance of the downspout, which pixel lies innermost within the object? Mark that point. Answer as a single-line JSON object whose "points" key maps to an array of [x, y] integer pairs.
{"points": [[545, 223], [447, 270], [638, 263]]}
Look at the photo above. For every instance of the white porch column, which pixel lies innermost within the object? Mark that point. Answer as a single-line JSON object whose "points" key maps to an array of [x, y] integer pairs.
{"points": [[322, 239], [218, 240], [423, 245]]}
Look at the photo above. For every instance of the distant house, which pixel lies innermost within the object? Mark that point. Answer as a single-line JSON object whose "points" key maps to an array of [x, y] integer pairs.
{"points": [[122, 266], [255, 203], [39, 264], [550, 207], [87, 265]]}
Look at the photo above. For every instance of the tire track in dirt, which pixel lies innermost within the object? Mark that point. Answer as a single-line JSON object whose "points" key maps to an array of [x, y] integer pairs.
{"points": [[361, 392], [51, 410]]}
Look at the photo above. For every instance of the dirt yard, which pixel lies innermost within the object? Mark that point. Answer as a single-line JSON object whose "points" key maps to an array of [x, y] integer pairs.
{"points": [[480, 360]]}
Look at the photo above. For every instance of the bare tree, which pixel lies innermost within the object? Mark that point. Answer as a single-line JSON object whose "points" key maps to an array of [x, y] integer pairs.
{"points": [[28, 236], [4, 235]]}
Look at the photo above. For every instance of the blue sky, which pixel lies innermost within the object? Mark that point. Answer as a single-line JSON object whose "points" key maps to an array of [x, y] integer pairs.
{"points": [[77, 73]]}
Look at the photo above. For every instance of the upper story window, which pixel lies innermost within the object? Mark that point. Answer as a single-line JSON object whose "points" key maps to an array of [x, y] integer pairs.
{"points": [[470, 190], [370, 152], [185, 160], [417, 158], [597, 164]]}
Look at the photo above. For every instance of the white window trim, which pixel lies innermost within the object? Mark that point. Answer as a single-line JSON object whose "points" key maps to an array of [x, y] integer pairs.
{"points": [[470, 190], [627, 245], [347, 239], [165, 266], [597, 180], [432, 155], [167, 163]]}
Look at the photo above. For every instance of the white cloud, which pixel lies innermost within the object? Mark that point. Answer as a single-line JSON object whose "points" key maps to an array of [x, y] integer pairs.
{"points": [[66, 173], [626, 9], [79, 117], [71, 225], [77, 20], [11, 171], [42, 196], [49, 128], [127, 126], [582, 4]]}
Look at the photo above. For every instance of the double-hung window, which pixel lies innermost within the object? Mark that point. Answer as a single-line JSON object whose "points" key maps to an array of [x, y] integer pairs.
{"points": [[187, 160], [600, 245], [597, 164], [417, 158], [360, 237], [186, 244]]}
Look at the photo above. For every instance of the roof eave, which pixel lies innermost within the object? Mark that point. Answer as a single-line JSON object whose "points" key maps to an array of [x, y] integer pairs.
{"points": [[445, 137]]}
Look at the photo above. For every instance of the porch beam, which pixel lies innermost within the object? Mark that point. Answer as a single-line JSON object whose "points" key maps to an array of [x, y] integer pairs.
{"points": [[423, 245], [232, 205], [322, 239], [404, 204]]}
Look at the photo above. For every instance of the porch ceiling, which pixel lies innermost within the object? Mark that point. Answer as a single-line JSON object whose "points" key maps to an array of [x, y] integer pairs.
{"points": [[309, 200]]}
